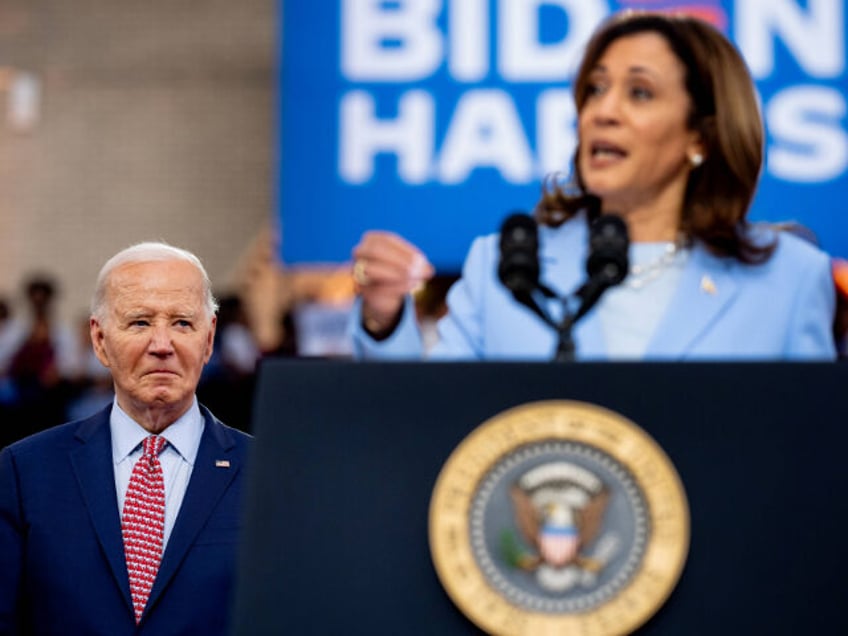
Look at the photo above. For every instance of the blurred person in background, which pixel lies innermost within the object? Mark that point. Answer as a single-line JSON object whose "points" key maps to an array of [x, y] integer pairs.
{"points": [[229, 378], [92, 385], [43, 354], [7, 390], [7, 346], [670, 139], [840, 324], [235, 343]]}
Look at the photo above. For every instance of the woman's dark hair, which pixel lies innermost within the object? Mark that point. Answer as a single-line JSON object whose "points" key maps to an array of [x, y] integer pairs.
{"points": [[725, 112]]}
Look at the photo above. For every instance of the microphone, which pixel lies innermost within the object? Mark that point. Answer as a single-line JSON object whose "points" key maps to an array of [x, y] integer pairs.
{"points": [[608, 243], [607, 264], [518, 269]]}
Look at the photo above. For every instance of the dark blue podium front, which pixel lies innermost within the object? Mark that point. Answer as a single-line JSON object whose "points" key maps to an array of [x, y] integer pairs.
{"points": [[347, 455]]}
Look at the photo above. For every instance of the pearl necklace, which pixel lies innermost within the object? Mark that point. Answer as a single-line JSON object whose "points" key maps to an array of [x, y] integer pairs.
{"points": [[642, 274]]}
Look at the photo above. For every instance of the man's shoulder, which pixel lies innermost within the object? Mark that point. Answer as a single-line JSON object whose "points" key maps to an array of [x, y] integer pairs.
{"points": [[225, 434], [56, 438], [240, 438]]}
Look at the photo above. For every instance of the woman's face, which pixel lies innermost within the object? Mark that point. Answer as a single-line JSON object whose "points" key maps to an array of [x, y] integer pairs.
{"points": [[634, 141]]}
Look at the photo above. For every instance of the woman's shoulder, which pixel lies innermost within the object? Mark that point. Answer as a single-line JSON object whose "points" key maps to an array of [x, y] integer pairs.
{"points": [[791, 247], [797, 250]]}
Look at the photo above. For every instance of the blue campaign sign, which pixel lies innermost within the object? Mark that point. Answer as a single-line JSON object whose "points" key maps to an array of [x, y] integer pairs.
{"points": [[437, 118]]}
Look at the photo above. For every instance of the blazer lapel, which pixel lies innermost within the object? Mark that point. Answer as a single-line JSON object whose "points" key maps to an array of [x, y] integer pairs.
{"points": [[705, 290], [208, 482], [92, 465]]}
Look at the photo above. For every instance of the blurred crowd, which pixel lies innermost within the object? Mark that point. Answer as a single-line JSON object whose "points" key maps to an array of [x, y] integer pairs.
{"points": [[45, 369]]}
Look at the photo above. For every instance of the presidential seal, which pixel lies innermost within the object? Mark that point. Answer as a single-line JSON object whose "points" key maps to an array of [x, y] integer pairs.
{"points": [[558, 517]]}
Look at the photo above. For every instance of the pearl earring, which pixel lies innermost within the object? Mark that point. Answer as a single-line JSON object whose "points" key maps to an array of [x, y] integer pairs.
{"points": [[696, 160]]}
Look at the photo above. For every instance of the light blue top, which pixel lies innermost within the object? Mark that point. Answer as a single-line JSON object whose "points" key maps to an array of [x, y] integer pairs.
{"points": [[719, 309], [177, 457], [630, 312]]}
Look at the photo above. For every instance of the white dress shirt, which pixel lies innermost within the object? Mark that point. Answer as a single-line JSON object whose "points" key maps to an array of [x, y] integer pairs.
{"points": [[177, 458]]}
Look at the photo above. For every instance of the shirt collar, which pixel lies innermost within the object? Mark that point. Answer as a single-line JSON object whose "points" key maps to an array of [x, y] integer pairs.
{"points": [[183, 435]]}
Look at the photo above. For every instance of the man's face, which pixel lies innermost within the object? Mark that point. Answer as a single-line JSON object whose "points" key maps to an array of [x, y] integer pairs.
{"points": [[155, 338]]}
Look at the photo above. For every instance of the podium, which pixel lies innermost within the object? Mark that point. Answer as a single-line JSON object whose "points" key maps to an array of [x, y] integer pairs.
{"points": [[347, 454]]}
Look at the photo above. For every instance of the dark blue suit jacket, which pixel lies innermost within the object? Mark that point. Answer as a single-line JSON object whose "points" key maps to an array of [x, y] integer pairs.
{"points": [[62, 567]]}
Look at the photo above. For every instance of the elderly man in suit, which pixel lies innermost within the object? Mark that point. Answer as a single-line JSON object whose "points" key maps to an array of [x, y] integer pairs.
{"points": [[127, 522]]}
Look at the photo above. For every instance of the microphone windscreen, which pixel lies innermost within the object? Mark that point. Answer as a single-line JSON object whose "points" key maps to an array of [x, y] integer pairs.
{"points": [[608, 245], [518, 268]]}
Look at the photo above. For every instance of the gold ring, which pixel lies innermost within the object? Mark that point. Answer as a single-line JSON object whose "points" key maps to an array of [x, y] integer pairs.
{"points": [[359, 274]]}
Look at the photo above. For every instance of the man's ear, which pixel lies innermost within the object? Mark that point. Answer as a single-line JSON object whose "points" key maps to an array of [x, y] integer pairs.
{"points": [[210, 339], [97, 340]]}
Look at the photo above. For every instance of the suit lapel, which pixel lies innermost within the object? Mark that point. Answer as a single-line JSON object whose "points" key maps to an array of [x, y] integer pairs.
{"points": [[705, 290], [207, 484], [92, 465]]}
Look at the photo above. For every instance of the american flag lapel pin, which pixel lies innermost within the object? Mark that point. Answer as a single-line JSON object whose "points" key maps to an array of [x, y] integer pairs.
{"points": [[222, 463]]}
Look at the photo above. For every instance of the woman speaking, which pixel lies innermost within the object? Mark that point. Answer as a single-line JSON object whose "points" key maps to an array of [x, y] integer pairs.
{"points": [[670, 139]]}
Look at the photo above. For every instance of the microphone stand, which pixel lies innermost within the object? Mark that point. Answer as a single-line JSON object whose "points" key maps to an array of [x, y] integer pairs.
{"points": [[518, 270], [565, 350]]}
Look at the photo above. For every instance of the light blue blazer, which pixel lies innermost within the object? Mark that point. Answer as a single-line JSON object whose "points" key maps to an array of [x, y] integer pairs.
{"points": [[721, 310]]}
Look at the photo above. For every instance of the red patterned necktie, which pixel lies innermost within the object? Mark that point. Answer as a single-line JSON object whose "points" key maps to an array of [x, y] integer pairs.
{"points": [[143, 522]]}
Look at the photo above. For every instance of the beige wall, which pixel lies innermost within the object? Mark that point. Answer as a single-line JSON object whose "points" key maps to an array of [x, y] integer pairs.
{"points": [[156, 120]]}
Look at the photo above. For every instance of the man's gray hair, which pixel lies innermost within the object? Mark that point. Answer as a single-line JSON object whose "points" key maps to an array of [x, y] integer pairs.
{"points": [[147, 252]]}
